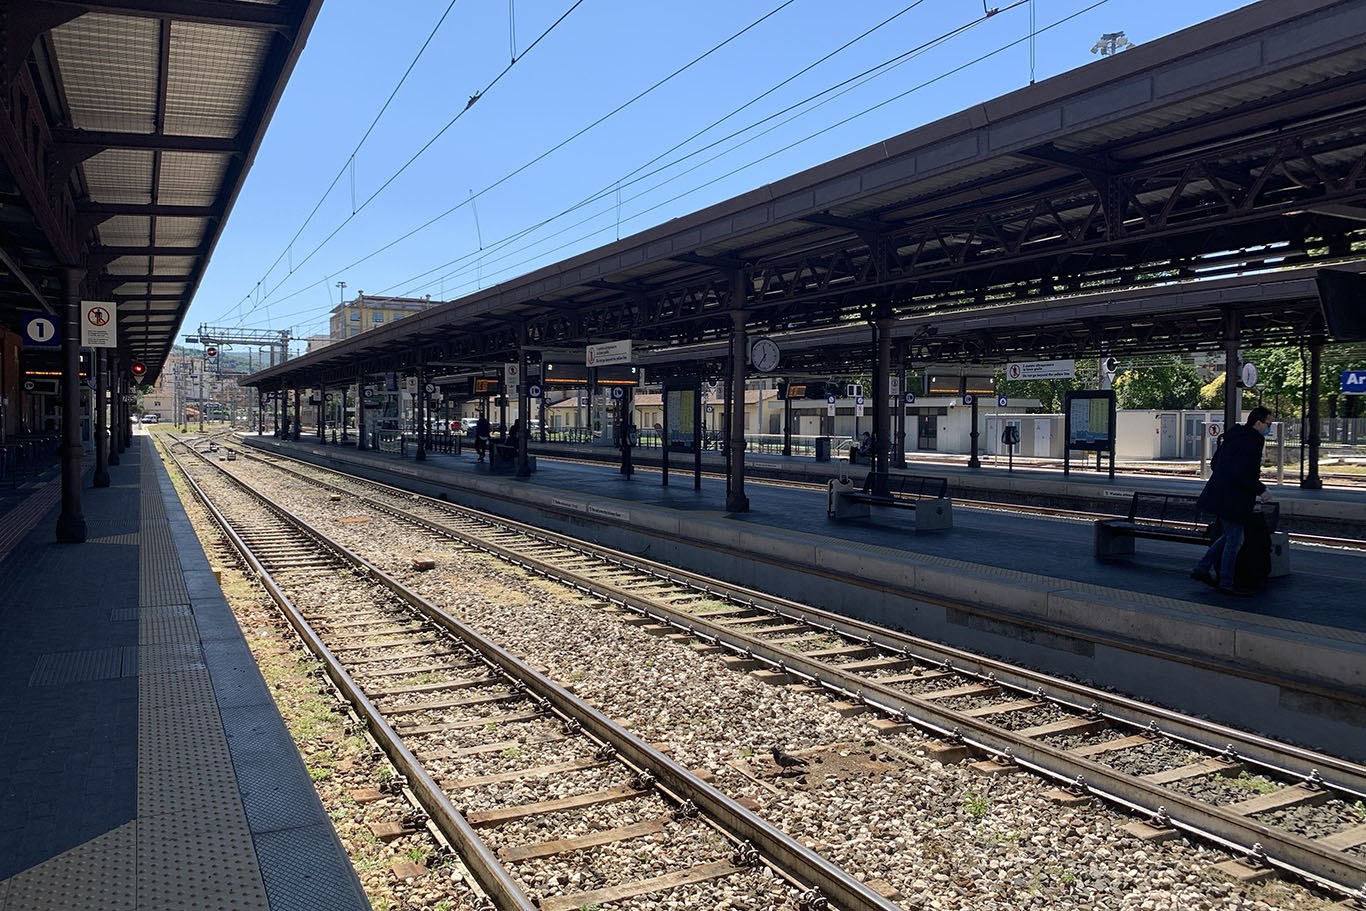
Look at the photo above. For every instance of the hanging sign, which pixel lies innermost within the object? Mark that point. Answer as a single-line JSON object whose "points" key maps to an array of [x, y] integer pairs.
{"points": [[40, 331], [99, 324], [607, 353], [858, 406], [1041, 370]]}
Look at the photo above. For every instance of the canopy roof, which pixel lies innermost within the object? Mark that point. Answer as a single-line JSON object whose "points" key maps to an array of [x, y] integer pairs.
{"points": [[128, 134]]}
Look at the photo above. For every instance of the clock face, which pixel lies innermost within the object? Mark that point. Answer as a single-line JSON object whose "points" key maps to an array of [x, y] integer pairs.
{"points": [[764, 355]]}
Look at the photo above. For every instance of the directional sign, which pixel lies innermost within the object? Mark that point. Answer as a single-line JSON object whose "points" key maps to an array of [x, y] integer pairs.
{"points": [[1002, 401], [534, 391], [1354, 382], [40, 331], [1041, 370]]}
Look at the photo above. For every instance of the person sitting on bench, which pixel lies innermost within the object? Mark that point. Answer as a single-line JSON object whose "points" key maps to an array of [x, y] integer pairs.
{"points": [[1230, 494]]}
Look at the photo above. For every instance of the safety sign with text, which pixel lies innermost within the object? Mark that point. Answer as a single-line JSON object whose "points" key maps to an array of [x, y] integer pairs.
{"points": [[1041, 370], [99, 324]]}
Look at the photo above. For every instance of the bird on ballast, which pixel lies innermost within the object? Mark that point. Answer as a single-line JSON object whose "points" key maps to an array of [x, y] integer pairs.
{"points": [[786, 760]]}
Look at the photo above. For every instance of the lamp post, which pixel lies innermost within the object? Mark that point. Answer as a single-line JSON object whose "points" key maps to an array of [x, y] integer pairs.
{"points": [[341, 299]]}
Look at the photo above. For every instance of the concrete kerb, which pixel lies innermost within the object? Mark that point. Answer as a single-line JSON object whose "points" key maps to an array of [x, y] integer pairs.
{"points": [[1183, 627]]}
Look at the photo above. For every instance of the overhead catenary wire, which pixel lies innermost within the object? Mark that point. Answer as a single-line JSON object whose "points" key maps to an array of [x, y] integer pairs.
{"points": [[867, 73], [564, 142], [642, 94]]}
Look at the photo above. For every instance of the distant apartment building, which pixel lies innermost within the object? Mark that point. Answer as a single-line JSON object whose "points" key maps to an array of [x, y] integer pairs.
{"points": [[371, 312]]}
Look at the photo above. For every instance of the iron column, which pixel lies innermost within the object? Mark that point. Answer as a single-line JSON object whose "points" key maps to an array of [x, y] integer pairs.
{"points": [[71, 521], [737, 501], [101, 476], [1312, 481]]}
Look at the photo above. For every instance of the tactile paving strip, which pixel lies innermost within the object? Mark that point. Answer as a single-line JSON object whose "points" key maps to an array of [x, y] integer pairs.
{"points": [[160, 580], [97, 874], [293, 886]]}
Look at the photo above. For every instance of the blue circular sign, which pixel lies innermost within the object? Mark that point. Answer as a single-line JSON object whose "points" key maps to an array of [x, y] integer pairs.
{"points": [[618, 393], [1002, 401], [910, 398], [534, 390], [968, 399]]}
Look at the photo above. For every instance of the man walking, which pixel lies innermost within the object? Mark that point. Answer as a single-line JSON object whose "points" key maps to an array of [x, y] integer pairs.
{"points": [[1230, 494], [481, 436]]}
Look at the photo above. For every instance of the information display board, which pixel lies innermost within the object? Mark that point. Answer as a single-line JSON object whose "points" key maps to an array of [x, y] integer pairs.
{"points": [[682, 424], [1089, 424]]}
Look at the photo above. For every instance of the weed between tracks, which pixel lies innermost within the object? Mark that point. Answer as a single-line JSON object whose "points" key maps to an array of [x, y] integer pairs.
{"points": [[337, 762]]}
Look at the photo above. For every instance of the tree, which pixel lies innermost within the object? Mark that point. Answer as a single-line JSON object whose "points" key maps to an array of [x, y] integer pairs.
{"points": [[1171, 385], [1212, 394]]}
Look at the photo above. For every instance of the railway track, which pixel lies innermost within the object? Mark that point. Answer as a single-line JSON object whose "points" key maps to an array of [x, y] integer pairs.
{"points": [[1305, 817], [486, 742]]}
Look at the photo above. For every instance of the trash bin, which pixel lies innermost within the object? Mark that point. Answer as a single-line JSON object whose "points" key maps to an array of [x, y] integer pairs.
{"points": [[822, 449]]}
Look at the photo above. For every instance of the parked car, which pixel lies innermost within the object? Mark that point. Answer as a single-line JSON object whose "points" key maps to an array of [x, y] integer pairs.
{"points": [[467, 425], [149, 419]]}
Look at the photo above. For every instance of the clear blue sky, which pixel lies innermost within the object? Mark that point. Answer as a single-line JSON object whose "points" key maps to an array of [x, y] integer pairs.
{"points": [[599, 56]]}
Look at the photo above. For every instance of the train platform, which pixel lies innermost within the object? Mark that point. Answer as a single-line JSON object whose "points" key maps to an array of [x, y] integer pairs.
{"points": [[143, 764], [1329, 510], [1024, 587]]}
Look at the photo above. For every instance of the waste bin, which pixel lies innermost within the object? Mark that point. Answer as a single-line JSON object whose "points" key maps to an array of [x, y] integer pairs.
{"points": [[822, 449]]}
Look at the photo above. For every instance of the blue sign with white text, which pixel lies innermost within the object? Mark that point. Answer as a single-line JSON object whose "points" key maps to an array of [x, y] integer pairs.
{"points": [[1354, 382]]}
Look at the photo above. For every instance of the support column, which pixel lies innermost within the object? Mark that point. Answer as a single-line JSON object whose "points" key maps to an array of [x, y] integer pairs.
{"points": [[523, 409], [71, 521], [360, 411], [899, 447], [98, 411], [298, 409], [420, 410], [322, 413], [1232, 398], [115, 412], [260, 412], [1312, 481], [345, 390], [974, 459], [882, 416], [735, 413]]}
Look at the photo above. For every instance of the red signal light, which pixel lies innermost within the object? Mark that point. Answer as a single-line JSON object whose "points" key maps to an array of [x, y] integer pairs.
{"points": [[139, 369], [211, 351]]}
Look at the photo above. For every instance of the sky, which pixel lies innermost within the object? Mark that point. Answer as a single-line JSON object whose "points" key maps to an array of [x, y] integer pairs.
{"points": [[615, 117]]}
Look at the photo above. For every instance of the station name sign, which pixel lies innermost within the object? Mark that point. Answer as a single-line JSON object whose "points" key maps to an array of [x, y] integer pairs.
{"points": [[1354, 382], [1041, 370], [606, 353]]}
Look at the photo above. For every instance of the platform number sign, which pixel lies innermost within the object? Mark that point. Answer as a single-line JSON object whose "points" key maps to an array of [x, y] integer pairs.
{"points": [[1002, 401], [968, 399], [40, 331], [618, 393], [534, 390]]}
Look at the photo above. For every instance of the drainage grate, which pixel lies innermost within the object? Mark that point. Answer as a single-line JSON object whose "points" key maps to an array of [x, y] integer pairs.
{"points": [[83, 666]]}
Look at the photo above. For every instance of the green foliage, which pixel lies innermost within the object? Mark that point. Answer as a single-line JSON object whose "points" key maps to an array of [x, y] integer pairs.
{"points": [[1169, 386], [1212, 394]]}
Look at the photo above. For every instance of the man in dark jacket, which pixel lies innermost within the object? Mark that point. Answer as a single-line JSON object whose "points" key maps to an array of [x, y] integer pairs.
{"points": [[1231, 493], [481, 436]]}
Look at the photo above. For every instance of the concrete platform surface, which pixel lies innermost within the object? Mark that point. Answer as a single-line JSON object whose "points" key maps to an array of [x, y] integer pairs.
{"points": [[143, 764]]}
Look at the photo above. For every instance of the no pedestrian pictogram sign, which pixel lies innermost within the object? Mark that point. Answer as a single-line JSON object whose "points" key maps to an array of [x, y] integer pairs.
{"points": [[99, 324]]}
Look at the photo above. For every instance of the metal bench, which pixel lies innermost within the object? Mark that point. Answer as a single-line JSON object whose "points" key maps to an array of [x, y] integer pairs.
{"points": [[927, 496], [1175, 517]]}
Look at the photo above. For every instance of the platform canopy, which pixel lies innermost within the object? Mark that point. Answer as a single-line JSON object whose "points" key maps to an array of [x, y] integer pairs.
{"points": [[1236, 145], [126, 133]]}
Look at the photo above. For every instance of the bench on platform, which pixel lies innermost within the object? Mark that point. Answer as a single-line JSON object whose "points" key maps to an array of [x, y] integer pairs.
{"points": [[1176, 517], [502, 459], [927, 496]]}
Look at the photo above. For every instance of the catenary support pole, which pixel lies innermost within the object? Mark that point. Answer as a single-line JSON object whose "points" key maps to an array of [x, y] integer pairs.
{"points": [[71, 520]]}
